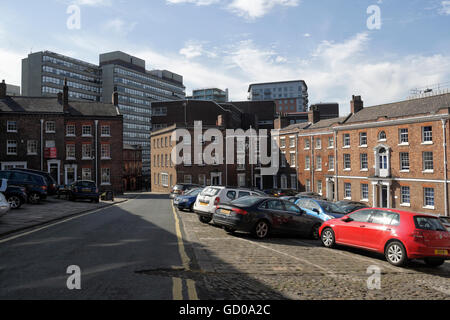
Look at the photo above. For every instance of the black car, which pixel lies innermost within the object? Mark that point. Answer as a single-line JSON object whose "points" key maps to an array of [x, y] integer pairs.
{"points": [[52, 187], [263, 216], [16, 196], [84, 190], [180, 189], [35, 185], [351, 206], [310, 195]]}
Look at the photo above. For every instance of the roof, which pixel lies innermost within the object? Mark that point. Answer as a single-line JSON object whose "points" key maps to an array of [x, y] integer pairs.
{"points": [[130, 147], [51, 105], [294, 126], [275, 82], [420, 106], [326, 123]]}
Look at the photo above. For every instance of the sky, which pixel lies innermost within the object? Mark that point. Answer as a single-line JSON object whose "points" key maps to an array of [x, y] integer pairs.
{"points": [[336, 46]]}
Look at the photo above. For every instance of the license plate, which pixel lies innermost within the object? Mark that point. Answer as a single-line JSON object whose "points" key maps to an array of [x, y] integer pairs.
{"points": [[441, 252], [86, 190], [223, 211], [203, 204]]}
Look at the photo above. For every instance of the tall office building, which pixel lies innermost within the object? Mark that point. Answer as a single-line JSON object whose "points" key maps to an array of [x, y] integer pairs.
{"points": [[210, 94], [43, 74], [289, 96]]}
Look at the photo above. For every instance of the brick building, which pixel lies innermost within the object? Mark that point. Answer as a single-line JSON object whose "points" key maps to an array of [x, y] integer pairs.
{"points": [[72, 140], [132, 168], [392, 155]]}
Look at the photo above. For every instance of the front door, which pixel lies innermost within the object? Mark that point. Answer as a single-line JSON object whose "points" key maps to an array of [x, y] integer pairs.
{"points": [[384, 196], [216, 179]]}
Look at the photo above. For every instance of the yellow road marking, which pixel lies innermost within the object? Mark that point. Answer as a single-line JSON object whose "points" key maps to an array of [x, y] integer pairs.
{"points": [[177, 290]]}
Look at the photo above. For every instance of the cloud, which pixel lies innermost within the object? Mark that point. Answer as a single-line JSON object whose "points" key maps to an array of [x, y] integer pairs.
{"points": [[445, 9], [119, 26], [194, 49], [307, 35], [196, 2], [252, 9], [94, 3]]}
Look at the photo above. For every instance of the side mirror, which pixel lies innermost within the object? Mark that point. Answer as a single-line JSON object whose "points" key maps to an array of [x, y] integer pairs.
{"points": [[348, 219], [316, 211]]}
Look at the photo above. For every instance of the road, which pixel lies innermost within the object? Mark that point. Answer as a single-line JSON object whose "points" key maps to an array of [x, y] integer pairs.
{"points": [[144, 249]]}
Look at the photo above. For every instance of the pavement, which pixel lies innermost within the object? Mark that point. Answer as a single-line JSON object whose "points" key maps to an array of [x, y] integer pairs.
{"points": [[145, 249]]}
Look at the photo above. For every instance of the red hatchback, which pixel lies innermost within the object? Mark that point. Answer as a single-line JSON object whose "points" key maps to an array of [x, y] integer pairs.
{"points": [[400, 235]]}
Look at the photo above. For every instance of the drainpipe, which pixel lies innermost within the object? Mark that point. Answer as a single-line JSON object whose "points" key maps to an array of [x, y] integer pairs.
{"points": [[336, 166], [444, 126], [311, 141], [296, 161], [96, 154], [42, 144]]}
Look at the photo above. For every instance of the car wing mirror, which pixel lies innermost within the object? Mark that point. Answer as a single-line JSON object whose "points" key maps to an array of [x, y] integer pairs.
{"points": [[316, 211], [348, 219]]}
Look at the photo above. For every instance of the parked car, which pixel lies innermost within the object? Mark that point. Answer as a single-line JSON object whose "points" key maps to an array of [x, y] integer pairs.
{"points": [[180, 189], [398, 234], [84, 189], [290, 198], [324, 210], [351, 206], [445, 221], [211, 197], [35, 185], [263, 216], [4, 205], [310, 195], [280, 192], [52, 187], [186, 201], [16, 196]]}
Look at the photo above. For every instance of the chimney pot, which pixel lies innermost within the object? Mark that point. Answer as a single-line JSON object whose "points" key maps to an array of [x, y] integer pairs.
{"points": [[3, 89], [65, 96], [356, 104], [115, 97]]}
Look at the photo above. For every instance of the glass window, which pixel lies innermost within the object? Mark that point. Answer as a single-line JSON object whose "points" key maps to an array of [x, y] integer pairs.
{"points": [[307, 163], [106, 176], [231, 195], [319, 187], [363, 139], [403, 136], [404, 161], [87, 151], [290, 207], [50, 127], [330, 142], [307, 144], [428, 223], [87, 130], [347, 162], [364, 162], [106, 131], [384, 218], [86, 174], [243, 194], [12, 126], [364, 191], [428, 197], [106, 151], [382, 136], [361, 216], [406, 195], [427, 134], [275, 205], [347, 140], [32, 147], [11, 147], [319, 163], [70, 151], [318, 143], [70, 130], [347, 190], [428, 163]]}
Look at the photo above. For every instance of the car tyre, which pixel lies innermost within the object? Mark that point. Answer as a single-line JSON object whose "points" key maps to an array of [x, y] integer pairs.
{"points": [[434, 262], [261, 229], [35, 198], [328, 238], [315, 235], [15, 202], [396, 254], [205, 220]]}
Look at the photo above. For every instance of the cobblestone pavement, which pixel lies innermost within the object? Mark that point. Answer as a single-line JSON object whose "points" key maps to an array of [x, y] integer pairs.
{"points": [[49, 210], [241, 267]]}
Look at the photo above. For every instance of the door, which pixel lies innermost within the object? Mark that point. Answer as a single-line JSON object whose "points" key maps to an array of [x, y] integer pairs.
{"points": [[353, 232], [384, 196], [216, 179], [275, 209], [297, 221], [378, 229], [54, 171]]}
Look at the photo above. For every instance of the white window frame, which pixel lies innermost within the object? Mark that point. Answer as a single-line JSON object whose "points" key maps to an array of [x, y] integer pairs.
{"points": [[36, 147], [11, 144], [105, 182], [47, 130], [15, 125]]}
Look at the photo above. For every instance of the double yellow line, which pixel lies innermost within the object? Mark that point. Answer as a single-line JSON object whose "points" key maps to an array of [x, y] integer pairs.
{"points": [[177, 289]]}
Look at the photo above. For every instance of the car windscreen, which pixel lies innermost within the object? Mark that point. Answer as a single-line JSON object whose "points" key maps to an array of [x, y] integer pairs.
{"points": [[331, 207], [428, 223], [193, 192], [210, 192], [39, 180], [246, 202]]}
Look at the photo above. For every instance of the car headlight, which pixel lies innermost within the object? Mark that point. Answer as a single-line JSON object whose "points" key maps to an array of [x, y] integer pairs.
{"points": [[184, 201], [328, 217]]}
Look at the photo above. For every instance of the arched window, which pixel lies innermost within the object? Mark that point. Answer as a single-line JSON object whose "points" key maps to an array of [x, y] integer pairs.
{"points": [[382, 136]]}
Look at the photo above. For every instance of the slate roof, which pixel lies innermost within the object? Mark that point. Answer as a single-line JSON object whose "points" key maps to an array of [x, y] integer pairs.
{"points": [[52, 106]]}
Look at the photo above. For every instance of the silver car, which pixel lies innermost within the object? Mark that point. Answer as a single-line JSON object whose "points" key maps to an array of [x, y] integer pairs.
{"points": [[4, 205]]}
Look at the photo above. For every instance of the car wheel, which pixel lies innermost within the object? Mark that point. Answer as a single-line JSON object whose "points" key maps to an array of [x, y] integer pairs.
{"points": [[14, 202], [396, 254], [434, 262], [328, 238], [204, 220], [261, 229], [315, 232], [35, 198]]}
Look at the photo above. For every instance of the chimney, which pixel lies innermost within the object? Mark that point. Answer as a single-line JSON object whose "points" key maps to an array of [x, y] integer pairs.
{"points": [[314, 114], [65, 96], [115, 97], [3, 89], [281, 122], [60, 97], [356, 104]]}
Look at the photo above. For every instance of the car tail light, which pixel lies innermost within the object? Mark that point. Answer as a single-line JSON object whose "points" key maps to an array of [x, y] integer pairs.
{"points": [[418, 236], [217, 201], [96, 190], [240, 212], [44, 188]]}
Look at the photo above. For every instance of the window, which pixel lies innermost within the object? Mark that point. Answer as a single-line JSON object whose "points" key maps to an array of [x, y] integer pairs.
{"points": [[364, 161], [294, 181], [308, 186], [241, 180], [106, 176], [382, 136], [284, 182], [319, 163], [50, 127], [106, 151], [292, 160], [165, 180], [283, 142], [318, 143], [188, 179], [106, 131], [346, 140], [363, 139], [307, 144], [87, 152], [361, 216], [283, 160], [404, 161], [428, 161], [428, 197], [202, 180], [347, 162], [364, 192], [347, 191], [406, 195], [319, 187], [330, 142], [384, 218], [11, 148], [292, 142], [307, 163], [12, 126], [87, 131], [403, 136], [331, 163], [32, 147], [86, 174], [427, 134], [70, 130], [70, 152]]}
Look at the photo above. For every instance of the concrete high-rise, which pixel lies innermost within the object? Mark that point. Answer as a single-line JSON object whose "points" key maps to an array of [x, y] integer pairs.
{"points": [[210, 94]]}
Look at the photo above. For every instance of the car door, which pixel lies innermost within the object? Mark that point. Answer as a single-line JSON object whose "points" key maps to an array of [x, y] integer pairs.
{"points": [[297, 221], [352, 232], [275, 209], [380, 225]]}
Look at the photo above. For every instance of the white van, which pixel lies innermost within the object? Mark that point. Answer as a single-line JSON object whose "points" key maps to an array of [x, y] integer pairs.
{"points": [[211, 197]]}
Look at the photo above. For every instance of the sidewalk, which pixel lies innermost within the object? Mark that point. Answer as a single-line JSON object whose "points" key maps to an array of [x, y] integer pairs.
{"points": [[53, 209]]}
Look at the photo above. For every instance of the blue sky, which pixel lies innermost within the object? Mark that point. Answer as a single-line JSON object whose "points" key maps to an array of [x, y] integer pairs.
{"points": [[232, 43]]}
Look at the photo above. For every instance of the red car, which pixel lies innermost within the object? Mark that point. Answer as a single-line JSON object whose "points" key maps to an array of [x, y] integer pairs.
{"points": [[400, 235]]}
